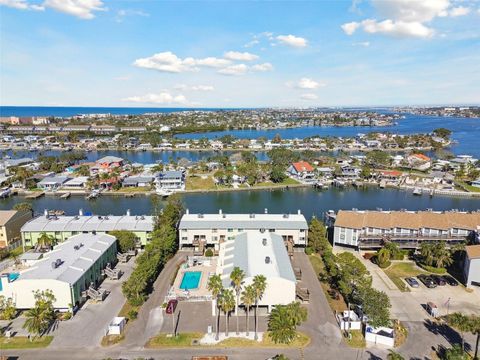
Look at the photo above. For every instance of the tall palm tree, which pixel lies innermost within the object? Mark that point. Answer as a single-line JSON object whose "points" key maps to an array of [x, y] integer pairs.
{"points": [[35, 323], [426, 250], [237, 276], [443, 255], [215, 286], [259, 285], [227, 304], [46, 240], [248, 299], [460, 322]]}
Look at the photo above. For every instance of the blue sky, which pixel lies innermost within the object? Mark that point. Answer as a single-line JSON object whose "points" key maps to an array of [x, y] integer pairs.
{"points": [[239, 54]]}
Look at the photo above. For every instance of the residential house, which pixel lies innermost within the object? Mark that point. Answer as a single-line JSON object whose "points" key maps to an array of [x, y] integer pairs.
{"points": [[11, 221], [52, 183], [110, 162], [301, 170], [419, 162], [171, 180], [471, 266]]}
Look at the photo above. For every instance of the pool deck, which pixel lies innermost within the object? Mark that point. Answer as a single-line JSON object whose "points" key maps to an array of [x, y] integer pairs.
{"points": [[201, 291]]}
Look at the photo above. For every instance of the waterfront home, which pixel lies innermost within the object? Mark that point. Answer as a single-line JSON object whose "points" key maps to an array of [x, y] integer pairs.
{"points": [[173, 180], [408, 229], [63, 227], [11, 222], [264, 254], [349, 173], [389, 175], [67, 271], [301, 170], [109, 162], [471, 265], [138, 181], [476, 183], [79, 182], [324, 172], [419, 162], [51, 183], [202, 230]]}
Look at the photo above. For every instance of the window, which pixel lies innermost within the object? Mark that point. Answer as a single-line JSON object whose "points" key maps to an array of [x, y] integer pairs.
{"points": [[214, 231], [230, 230], [302, 230], [184, 238], [184, 230], [240, 230], [455, 231], [271, 230]]}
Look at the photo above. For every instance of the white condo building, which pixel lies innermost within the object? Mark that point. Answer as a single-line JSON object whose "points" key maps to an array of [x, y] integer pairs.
{"points": [[203, 230], [264, 254]]}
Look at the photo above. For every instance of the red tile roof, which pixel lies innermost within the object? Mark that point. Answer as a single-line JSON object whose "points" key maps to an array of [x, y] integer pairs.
{"points": [[421, 157], [302, 166]]}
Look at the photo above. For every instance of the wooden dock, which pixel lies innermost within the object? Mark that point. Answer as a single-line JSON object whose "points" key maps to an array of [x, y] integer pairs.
{"points": [[65, 196], [35, 195]]}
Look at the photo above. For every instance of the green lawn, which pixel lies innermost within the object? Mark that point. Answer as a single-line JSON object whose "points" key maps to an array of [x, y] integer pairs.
{"points": [[134, 189], [22, 342], [468, 187], [185, 340], [398, 271], [199, 183], [357, 340], [181, 340], [287, 181]]}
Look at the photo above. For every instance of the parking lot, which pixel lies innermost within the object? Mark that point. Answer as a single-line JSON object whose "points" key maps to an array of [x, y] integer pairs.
{"points": [[410, 306]]}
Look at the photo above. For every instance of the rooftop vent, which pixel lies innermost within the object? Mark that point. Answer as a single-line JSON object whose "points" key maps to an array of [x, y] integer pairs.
{"points": [[80, 212], [57, 263], [142, 217], [100, 218], [200, 216], [252, 216], [264, 242], [354, 209], [224, 215], [285, 216], [379, 209], [267, 259], [128, 212], [76, 217], [262, 230], [266, 211]]}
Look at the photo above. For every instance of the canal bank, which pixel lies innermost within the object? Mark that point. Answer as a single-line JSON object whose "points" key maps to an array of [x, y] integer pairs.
{"points": [[310, 201]]}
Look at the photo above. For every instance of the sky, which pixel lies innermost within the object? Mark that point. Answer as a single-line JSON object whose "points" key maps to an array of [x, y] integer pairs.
{"points": [[239, 53]]}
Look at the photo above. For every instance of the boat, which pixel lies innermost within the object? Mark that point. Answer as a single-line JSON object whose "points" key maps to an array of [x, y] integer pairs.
{"points": [[65, 196], [164, 192], [382, 184], [56, 212], [93, 195], [417, 191]]}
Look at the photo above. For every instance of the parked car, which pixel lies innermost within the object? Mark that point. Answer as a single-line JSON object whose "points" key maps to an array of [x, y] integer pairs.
{"points": [[412, 282], [427, 281], [171, 306], [432, 309], [439, 280], [450, 280]]}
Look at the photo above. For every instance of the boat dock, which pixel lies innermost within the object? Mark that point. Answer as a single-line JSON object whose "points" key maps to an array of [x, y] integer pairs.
{"points": [[65, 196], [35, 195]]}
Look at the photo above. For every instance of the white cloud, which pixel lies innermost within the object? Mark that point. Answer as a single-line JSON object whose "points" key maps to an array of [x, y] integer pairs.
{"points": [[21, 5], [239, 69], [405, 18], [262, 67], [292, 40], [459, 11], [251, 43], [240, 56], [169, 62], [123, 13], [309, 97], [194, 87], [161, 98], [362, 43], [82, 9], [306, 83], [350, 28]]}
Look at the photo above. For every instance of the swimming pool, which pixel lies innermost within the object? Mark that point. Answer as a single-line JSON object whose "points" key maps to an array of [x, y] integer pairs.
{"points": [[190, 280]]}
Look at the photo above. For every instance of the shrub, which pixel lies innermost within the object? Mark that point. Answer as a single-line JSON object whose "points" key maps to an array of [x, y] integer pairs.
{"points": [[432, 269], [132, 314], [384, 265], [308, 251], [209, 253]]}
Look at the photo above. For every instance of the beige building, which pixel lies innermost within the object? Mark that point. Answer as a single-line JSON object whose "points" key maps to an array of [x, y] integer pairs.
{"points": [[11, 221], [408, 229]]}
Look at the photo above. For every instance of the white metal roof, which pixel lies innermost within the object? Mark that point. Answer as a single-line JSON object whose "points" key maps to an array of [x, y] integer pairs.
{"points": [[89, 223], [243, 221], [249, 251], [76, 258]]}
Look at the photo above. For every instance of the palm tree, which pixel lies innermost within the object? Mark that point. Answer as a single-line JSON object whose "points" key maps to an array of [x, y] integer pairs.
{"points": [[475, 329], [460, 322], [227, 304], [248, 299], [237, 276], [443, 255], [34, 323], [427, 252], [259, 285], [46, 240], [393, 355], [215, 286]]}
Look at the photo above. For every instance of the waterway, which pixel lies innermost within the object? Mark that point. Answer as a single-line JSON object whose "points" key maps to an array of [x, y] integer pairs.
{"points": [[308, 200], [466, 131]]}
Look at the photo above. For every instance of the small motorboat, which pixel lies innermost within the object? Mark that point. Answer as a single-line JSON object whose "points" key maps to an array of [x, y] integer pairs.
{"points": [[417, 191]]}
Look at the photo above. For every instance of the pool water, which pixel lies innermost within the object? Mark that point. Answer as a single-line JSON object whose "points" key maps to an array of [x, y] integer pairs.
{"points": [[190, 280]]}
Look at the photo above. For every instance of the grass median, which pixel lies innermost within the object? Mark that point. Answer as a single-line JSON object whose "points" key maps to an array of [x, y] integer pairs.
{"points": [[23, 342], [399, 271]]}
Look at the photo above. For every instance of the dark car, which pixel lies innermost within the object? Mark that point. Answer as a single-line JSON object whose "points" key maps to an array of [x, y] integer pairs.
{"points": [[450, 280], [412, 282], [427, 281], [439, 280], [171, 306]]}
